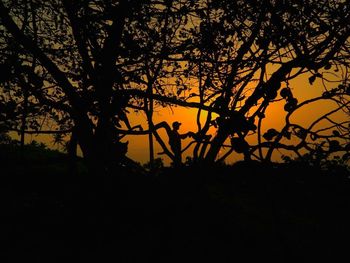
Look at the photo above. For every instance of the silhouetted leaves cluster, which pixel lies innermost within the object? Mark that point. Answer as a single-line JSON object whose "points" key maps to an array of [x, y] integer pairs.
{"points": [[88, 66]]}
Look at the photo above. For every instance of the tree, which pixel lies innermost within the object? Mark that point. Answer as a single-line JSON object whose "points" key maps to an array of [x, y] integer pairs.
{"points": [[243, 57], [87, 53], [246, 52], [86, 64]]}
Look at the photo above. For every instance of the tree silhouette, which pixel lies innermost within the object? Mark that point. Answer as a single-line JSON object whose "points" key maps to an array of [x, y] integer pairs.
{"points": [[243, 57], [89, 64], [88, 54], [248, 50]]}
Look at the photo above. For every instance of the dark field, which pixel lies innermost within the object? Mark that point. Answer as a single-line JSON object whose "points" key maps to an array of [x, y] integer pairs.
{"points": [[239, 213]]}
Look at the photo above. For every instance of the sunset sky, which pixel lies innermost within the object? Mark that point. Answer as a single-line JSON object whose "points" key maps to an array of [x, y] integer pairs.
{"points": [[138, 149], [302, 90], [275, 116]]}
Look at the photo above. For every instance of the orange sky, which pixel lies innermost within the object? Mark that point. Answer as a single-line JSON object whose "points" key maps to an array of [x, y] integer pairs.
{"points": [[139, 146], [302, 90]]}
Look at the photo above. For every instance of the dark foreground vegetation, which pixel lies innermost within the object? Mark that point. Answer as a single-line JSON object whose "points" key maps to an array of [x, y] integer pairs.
{"points": [[257, 77], [247, 211]]}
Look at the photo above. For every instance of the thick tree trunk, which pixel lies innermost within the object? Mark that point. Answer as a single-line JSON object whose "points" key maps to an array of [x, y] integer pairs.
{"points": [[85, 136], [101, 150]]}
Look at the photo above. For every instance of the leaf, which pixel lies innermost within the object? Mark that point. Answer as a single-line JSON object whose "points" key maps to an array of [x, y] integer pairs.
{"points": [[239, 145], [313, 136], [312, 79], [326, 94], [328, 66], [270, 134], [285, 93], [287, 135], [261, 115], [271, 94], [291, 104], [336, 133], [288, 107], [267, 136], [301, 133]]}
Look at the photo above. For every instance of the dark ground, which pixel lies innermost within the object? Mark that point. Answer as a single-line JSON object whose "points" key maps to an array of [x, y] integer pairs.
{"points": [[243, 213]]}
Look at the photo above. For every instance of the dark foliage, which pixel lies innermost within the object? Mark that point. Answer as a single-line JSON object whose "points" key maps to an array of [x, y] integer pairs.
{"points": [[86, 68], [248, 211]]}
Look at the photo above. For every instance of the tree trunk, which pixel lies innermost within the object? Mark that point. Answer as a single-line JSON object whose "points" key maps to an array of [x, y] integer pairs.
{"points": [[216, 145], [85, 137], [102, 150]]}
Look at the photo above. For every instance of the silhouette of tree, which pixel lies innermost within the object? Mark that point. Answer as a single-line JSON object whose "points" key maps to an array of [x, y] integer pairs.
{"points": [[87, 54], [86, 64], [245, 52], [242, 56]]}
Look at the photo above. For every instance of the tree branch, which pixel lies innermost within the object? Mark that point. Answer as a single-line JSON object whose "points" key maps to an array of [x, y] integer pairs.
{"points": [[28, 44]]}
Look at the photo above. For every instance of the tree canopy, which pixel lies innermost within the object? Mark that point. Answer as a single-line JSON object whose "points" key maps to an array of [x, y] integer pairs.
{"points": [[86, 66]]}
